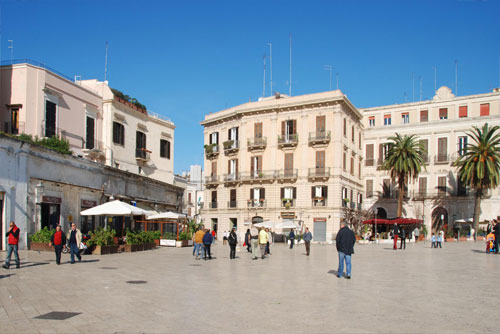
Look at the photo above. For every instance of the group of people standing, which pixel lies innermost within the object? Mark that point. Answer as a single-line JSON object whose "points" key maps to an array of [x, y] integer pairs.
{"points": [[202, 240]]}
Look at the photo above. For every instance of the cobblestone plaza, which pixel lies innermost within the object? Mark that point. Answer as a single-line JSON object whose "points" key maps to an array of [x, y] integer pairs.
{"points": [[419, 290]]}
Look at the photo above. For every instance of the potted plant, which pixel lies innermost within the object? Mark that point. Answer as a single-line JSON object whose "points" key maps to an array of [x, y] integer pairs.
{"points": [[184, 238], [102, 241], [168, 239], [39, 240], [450, 236], [287, 202]]}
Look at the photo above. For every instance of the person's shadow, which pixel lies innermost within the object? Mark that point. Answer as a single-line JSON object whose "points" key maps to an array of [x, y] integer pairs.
{"points": [[334, 272]]}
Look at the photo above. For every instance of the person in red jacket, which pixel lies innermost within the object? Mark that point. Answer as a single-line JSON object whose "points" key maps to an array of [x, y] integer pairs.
{"points": [[12, 245], [58, 239]]}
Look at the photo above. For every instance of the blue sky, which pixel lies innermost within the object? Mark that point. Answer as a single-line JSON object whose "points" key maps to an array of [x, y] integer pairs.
{"points": [[184, 59]]}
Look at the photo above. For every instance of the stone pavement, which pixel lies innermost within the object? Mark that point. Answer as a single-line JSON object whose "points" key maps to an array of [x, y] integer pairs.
{"points": [[420, 290]]}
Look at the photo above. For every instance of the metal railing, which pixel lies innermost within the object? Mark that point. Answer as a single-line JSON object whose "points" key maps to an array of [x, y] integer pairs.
{"points": [[319, 172], [258, 175], [370, 162], [94, 145], [14, 129], [319, 202], [34, 63], [256, 203], [441, 158], [211, 179], [287, 174], [74, 140], [288, 203], [142, 154], [256, 142], [212, 205], [290, 140], [211, 150], [319, 137], [232, 177], [231, 145], [232, 204]]}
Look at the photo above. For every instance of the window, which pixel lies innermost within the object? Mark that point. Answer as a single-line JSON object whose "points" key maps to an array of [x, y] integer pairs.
{"points": [[232, 134], [213, 203], [359, 169], [14, 122], [422, 186], [462, 145], [371, 121], [232, 198], [289, 129], [383, 149], [140, 145], [352, 165], [345, 198], [288, 195], [232, 169], [443, 113], [484, 109], [424, 116], [164, 148], [257, 130], [345, 127], [344, 162], [462, 111], [118, 133], [319, 192], [289, 164], [50, 119], [425, 146], [461, 188], [255, 165], [320, 160], [442, 150], [257, 197], [370, 161], [213, 172], [352, 133], [320, 124], [214, 138], [386, 188], [90, 133], [441, 185], [359, 139], [369, 188], [405, 118], [387, 119]]}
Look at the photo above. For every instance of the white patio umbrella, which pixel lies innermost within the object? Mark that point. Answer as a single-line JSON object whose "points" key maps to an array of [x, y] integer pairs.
{"points": [[167, 215], [114, 208], [267, 224], [287, 224]]}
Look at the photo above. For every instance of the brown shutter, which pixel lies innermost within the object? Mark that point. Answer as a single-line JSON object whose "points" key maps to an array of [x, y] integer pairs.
{"points": [[320, 123], [294, 193], [217, 138], [210, 139], [344, 162], [282, 191], [252, 165], [442, 184], [251, 193], [325, 191], [442, 147], [259, 163], [462, 111], [359, 169], [484, 109], [422, 186], [236, 166], [424, 116], [229, 166], [320, 159], [425, 145], [443, 113], [258, 130], [352, 166], [380, 153], [294, 127], [369, 188], [369, 153], [229, 134], [283, 127], [233, 195], [288, 161], [262, 193], [312, 192], [359, 139], [352, 133], [214, 168]]}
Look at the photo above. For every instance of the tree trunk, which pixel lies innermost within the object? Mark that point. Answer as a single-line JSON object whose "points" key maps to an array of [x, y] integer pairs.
{"points": [[477, 210], [401, 186]]}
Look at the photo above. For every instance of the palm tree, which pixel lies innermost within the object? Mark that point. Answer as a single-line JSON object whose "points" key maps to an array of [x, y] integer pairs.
{"points": [[404, 161], [479, 167]]}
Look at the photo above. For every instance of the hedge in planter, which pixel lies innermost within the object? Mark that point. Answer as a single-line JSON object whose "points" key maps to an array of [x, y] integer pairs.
{"points": [[39, 240], [102, 241]]}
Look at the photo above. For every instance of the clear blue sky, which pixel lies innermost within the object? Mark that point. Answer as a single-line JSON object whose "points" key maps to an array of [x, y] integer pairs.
{"points": [[184, 59]]}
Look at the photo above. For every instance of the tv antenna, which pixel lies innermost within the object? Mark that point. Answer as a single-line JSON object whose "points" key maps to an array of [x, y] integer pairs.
{"points": [[329, 68]]}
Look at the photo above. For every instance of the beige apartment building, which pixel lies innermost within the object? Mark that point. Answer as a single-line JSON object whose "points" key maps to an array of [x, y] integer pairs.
{"points": [[441, 124], [283, 158]]}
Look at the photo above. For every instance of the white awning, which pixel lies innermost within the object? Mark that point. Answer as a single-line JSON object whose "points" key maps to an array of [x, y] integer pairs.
{"points": [[114, 208], [167, 215]]}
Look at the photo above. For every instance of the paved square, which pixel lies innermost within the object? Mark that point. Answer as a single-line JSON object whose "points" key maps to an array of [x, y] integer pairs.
{"points": [[449, 290]]}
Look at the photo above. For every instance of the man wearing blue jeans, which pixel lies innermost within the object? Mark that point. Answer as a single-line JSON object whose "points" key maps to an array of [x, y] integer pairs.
{"points": [[75, 238], [12, 245], [345, 246]]}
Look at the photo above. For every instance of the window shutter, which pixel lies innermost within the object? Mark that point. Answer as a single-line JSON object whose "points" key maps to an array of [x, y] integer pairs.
{"points": [[320, 123], [320, 159], [424, 116], [484, 109], [294, 122], [263, 193], [352, 133], [325, 191], [352, 166], [237, 134], [251, 193], [288, 161], [258, 130], [229, 134], [168, 149], [217, 138], [259, 163], [443, 113], [252, 165], [236, 163], [214, 168], [294, 193], [229, 166], [422, 185], [312, 192], [380, 152], [345, 127], [359, 139], [282, 191], [369, 151], [344, 162], [442, 146], [210, 139], [283, 128], [462, 111]]}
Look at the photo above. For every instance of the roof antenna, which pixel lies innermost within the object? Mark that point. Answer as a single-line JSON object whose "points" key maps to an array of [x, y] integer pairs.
{"points": [[290, 83], [264, 80], [271, 67], [106, 63], [456, 77], [329, 68]]}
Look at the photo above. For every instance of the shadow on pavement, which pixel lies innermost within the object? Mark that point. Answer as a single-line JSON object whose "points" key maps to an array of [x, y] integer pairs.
{"points": [[5, 276], [333, 272], [479, 251]]}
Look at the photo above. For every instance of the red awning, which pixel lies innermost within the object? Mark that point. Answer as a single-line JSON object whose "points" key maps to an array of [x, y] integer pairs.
{"points": [[400, 221]]}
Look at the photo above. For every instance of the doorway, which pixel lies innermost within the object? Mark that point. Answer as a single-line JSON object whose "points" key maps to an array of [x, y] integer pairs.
{"points": [[233, 223], [50, 215], [319, 232]]}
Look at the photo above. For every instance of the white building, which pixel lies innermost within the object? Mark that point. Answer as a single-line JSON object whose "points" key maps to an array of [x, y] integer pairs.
{"points": [[192, 184]]}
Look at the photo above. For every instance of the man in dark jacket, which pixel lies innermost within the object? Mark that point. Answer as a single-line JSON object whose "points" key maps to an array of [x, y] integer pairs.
{"points": [[496, 231], [12, 245], [345, 246], [292, 238], [58, 239], [402, 236], [233, 241], [207, 242]]}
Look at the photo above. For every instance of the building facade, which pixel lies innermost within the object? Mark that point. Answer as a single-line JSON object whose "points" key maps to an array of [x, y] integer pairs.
{"points": [[441, 125], [283, 158], [192, 183]]}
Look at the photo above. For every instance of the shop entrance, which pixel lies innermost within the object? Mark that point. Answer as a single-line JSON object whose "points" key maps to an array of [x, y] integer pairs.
{"points": [[50, 215]]}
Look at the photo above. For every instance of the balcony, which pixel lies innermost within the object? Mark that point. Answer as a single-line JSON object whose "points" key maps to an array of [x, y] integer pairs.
{"points": [[426, 159], [211, 151], [232, 178], [319, 201], [256, 143], [231, 146], [370, 162], [212, 205], [211, 180], [74, 140], [94, 150], [441, 159], [256, 203], [287, 175], [14, 129], [319, 138], [142, 154], [287, 203], [319, 173], [232, 204], [288, 141], [258, 176]]}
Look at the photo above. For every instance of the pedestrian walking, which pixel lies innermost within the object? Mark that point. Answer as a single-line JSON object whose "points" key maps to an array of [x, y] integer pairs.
{"points": [[402, 237], [75, 238], [198, 243], [58, 239], [395, 233], [12, 236], [254, 240], [345, 247], [224, 237], [269, 241], [307, 240], [263, 242], [247, 240], [292, 238], [207, 242], [416, 232], [496, 231], [233, 241], [439, 240]]}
